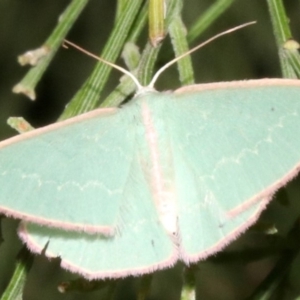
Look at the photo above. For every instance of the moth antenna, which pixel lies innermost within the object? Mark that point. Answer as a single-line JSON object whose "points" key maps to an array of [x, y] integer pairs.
{"points": [[122, 70], [157, 74]]}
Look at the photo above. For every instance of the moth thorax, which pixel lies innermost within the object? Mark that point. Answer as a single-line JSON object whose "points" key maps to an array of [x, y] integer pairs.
{"points": [[159, 171]]}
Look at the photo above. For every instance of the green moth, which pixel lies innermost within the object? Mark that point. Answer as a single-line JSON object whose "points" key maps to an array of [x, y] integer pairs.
{"points": [[165, 177]]}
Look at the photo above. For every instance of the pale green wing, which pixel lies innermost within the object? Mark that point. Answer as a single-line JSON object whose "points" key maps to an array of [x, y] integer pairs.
{"points": [[71, 174], [140, 244], [234, 145]]}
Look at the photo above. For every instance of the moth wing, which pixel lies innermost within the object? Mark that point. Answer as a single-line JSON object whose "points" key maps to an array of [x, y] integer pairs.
{"points": [[140, 244], [234, 145], [64, 175]]}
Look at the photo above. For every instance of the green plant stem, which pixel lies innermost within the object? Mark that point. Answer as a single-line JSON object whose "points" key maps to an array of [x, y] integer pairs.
{"points": [[121, 5], [126, 86], [207, 18], [19, 124], [280, 22], [14, 290], [146, 64], [88, 96], [28, 83], [188, 288], [139, 24], [178, 37], [156, 21]]}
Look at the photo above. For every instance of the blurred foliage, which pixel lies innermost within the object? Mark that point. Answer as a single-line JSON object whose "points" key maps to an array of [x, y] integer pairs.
{"points": [[249, 267]]}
